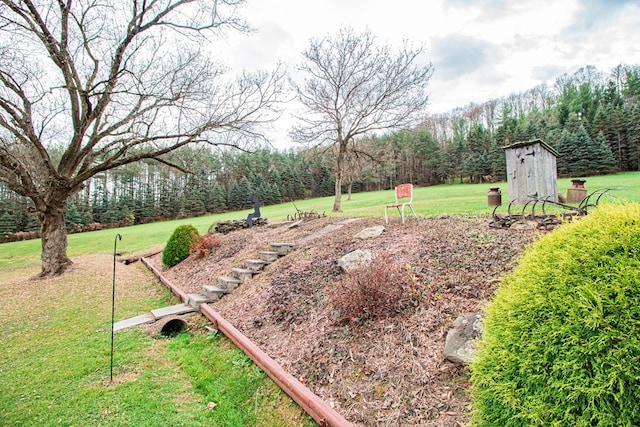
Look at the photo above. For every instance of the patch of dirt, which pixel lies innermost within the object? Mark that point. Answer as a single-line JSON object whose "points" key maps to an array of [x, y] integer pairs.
{"points": [[388, 371]]}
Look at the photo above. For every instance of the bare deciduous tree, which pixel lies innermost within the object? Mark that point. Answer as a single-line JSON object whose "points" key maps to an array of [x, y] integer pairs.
{"points": [[353, 88], [113, 82]]}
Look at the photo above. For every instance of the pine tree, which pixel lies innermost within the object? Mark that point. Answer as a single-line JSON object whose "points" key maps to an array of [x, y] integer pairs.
{"points": [[126, 215], [87, 217], [580, 155], [605, 163], [72, 215], [149, 203], [633, 113], [566, 147], [33, 223], [218, 201], [246, 193], [194, 204], [274, 179], [328, 183], [275, 191], [7, 224], [235, 196], [583, 156], [287, 188], [618, 141]]}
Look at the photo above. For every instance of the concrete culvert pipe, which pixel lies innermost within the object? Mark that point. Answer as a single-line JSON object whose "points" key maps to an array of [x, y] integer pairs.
{"points": [[169, 326], [173, 327]]}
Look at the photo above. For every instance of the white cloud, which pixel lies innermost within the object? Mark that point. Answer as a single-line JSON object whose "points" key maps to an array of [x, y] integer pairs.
{"points": [[481, 49]]}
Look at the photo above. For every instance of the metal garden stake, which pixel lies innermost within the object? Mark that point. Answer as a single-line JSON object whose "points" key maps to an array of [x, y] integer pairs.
{"points": [[113, 299]]}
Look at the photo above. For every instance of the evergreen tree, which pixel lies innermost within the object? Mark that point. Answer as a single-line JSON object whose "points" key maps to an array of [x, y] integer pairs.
{"points": [[148, 204], [507, 131], [633, 112], [126, 209], [328, 183], [275, 192], [33, 223], [566, 147], [194, 204], [7, 224], [72, 215], [87, 217], [460, 146], [274, 179], [604, 162], [246, 193], [631, 89], [258, 183], [478, 163], [235, 197], [617, 139], [110, 214], [126, 215], [218, 201], [447, 167], [174, 199], [426, 152], [498, 163], [580, 155], [611, 96], [288, 187]]}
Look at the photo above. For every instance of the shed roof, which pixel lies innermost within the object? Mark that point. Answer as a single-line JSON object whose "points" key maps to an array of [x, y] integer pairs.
{"points": [[532, 142]]}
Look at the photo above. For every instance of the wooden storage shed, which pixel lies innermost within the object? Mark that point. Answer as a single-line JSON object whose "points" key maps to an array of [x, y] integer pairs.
{"points": [[531, 171]]}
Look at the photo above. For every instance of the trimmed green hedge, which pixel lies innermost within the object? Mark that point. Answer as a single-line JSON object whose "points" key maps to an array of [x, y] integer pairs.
{"points": [[561, 345], [179, 244]]}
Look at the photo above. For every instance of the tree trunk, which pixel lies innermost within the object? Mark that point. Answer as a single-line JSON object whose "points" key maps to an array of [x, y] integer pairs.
{"points": [[339, 169], [54, 242], [338, 199], [349, 187]]}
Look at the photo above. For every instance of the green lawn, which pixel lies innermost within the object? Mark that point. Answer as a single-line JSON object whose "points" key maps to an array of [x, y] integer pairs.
{"points": [[428, 201], [55, 364]]}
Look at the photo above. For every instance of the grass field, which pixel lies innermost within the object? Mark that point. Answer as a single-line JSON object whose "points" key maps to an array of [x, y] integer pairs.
{"points": [[55, 364], [428, 201], [55, 333]]}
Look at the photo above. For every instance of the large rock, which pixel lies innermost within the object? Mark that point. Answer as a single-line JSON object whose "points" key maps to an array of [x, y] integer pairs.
{"points": [[355, 260], [460, 343], [370, 232]]}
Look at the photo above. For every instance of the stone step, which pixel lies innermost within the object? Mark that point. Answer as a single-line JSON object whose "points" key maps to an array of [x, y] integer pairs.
{"points": [[281, 248], [269, 256], [195, 300], [134, 321], [255, 264], [244, 274], [214, 293], [172, 310], [228, 283]]}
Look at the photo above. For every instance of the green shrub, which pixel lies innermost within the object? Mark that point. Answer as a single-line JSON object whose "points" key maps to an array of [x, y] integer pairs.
{"points": [[561, 345], [179, 245]]}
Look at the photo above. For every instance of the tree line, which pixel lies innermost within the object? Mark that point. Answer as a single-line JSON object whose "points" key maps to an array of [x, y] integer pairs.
{"points": [[592, 119]]}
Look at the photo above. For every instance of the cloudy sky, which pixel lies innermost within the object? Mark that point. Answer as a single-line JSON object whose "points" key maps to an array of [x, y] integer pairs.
{"points": [[481, 49]]}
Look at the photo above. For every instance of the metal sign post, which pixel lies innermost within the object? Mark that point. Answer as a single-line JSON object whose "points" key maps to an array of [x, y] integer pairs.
{"points": [[113, 299]]}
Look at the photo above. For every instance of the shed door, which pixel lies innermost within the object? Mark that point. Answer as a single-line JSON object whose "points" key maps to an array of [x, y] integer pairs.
{"points": [[530, 170], [526, 173]]}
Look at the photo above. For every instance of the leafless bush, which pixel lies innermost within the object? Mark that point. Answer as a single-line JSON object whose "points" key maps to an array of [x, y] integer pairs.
{"points": [[380, 289], [205, 245]]}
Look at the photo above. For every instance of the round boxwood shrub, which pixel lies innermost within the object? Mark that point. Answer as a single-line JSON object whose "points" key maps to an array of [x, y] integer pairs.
{"points": [[561, 345], [179, 244]]}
